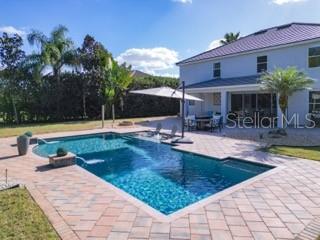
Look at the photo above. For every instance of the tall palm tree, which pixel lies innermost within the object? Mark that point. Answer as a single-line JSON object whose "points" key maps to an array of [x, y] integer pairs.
{"points": [[230, 37], [56, 51], [284, 82]]}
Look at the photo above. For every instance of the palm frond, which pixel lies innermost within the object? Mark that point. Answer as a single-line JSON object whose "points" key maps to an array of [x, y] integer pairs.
{"points": [[230, 37], [51, 54], [37, 38], [58, 33], [285, 81]]}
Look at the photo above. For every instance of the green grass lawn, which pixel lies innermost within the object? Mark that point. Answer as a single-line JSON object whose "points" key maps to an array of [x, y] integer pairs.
{"points": [[312, 153], [40, 128], [21, 218]]}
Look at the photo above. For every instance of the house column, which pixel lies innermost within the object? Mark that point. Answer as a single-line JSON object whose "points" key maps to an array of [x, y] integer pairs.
{"points": [[224, 105]]}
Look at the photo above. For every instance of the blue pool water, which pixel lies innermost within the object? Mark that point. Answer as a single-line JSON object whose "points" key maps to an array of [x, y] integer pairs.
{"points": [[163, 178]]}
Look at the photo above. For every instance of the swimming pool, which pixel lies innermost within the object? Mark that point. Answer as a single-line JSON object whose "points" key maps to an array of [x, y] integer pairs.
{"points": [[165, 179]]}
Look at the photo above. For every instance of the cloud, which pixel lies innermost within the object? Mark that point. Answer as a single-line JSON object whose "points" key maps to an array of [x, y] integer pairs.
{"points": [[282, 2], [214, 44], [149, 60], [12, 30], [183, 1]]}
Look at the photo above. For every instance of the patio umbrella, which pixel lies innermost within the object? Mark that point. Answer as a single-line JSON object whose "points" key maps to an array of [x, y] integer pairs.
{"points": [[171, 93], [166, 92]]}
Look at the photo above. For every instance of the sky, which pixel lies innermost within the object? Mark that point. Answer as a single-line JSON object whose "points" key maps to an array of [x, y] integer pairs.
{"points": [[152, 35]]}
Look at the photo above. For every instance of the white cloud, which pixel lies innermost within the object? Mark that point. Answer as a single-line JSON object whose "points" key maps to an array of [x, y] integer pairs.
{"points": [[281, 2], [12, 30], [183, 1], [149, 60], [214, 44]]}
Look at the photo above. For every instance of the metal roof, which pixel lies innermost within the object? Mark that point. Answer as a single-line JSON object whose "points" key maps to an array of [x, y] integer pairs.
{"points": [[271, 37], [222, 82]]}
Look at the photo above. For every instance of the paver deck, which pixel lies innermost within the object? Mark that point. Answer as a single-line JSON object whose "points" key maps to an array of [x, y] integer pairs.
{"points": [[82, 206]]}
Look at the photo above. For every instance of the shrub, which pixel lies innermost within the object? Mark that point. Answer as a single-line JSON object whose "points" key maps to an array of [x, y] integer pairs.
{"points": [[28, 134], [61, 152]]}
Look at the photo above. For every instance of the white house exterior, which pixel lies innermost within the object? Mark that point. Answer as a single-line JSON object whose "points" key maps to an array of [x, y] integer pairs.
{"points": [[226, 78]]}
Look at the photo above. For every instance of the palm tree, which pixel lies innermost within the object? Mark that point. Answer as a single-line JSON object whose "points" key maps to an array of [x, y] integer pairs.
{"points": [[284, 82], [117, 84], [55, 52], [230, 37]]}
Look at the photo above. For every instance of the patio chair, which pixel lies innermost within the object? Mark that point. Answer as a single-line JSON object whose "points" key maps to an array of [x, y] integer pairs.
{"points": [[190, 122], [172, 134], [220, 123], [158, 129], [215, 122], [155, 132]]}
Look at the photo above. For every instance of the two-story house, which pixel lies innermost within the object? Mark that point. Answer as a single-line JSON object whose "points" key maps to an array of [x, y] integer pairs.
{"points": [[227, 77]]}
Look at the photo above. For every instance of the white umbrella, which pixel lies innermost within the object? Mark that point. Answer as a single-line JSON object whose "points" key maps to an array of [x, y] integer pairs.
{"points": [[165, 92], [171, 93]]}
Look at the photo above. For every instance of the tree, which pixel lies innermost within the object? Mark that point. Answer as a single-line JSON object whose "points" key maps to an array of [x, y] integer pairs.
{"points": [[11, 57], [284, 82], [230, 37], [34, 87], [121, 78], [91, 64], [102, 71], [55, 52]]}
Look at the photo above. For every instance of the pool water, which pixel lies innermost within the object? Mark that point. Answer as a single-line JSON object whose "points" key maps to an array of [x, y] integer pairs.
{"points": [[163, 178]]}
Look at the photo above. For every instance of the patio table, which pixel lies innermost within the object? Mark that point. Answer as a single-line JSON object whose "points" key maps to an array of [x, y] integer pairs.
{"points": [[201, 122]]}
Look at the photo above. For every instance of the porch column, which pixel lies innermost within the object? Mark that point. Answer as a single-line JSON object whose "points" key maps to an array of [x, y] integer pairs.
{"points": [[224, 105], [279, 114]]}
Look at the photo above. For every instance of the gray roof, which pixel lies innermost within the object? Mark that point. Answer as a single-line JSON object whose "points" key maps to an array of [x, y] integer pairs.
{"points": [[271, 37], [222, 82]]}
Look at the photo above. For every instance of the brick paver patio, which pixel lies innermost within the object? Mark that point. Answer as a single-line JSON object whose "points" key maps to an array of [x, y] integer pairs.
{"points": [[280, 205]]}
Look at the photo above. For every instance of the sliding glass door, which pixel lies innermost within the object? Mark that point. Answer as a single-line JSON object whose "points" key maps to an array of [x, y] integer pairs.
{"points": [[248, 104]]}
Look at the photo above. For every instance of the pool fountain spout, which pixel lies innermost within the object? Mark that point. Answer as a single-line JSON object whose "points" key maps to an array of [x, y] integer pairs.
{"points": [[43, 141], [90, 162]]}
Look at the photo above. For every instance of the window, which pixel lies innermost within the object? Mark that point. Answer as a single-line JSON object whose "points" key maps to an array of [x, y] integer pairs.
{"points": [[192, 102], [217, 70], [216, 99], [262, 64], [314, 57], [314, 102]]}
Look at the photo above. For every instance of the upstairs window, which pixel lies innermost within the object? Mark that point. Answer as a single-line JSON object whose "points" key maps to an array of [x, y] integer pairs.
{"points": [[262, 64], [314, 102], [314, 57], [217, 70]]}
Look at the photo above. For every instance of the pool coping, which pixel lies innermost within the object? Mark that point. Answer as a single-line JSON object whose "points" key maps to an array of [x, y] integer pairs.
{"points": [[188, 209]]}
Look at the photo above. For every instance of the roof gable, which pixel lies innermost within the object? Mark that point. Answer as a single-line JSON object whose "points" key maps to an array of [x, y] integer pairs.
{"points": [[266, 38]]}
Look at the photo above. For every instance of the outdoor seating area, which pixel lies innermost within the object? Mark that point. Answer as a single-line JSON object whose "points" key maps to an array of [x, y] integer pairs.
{"points": [[97, 211], [159, 134], [109, 133], [206, 121]]}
